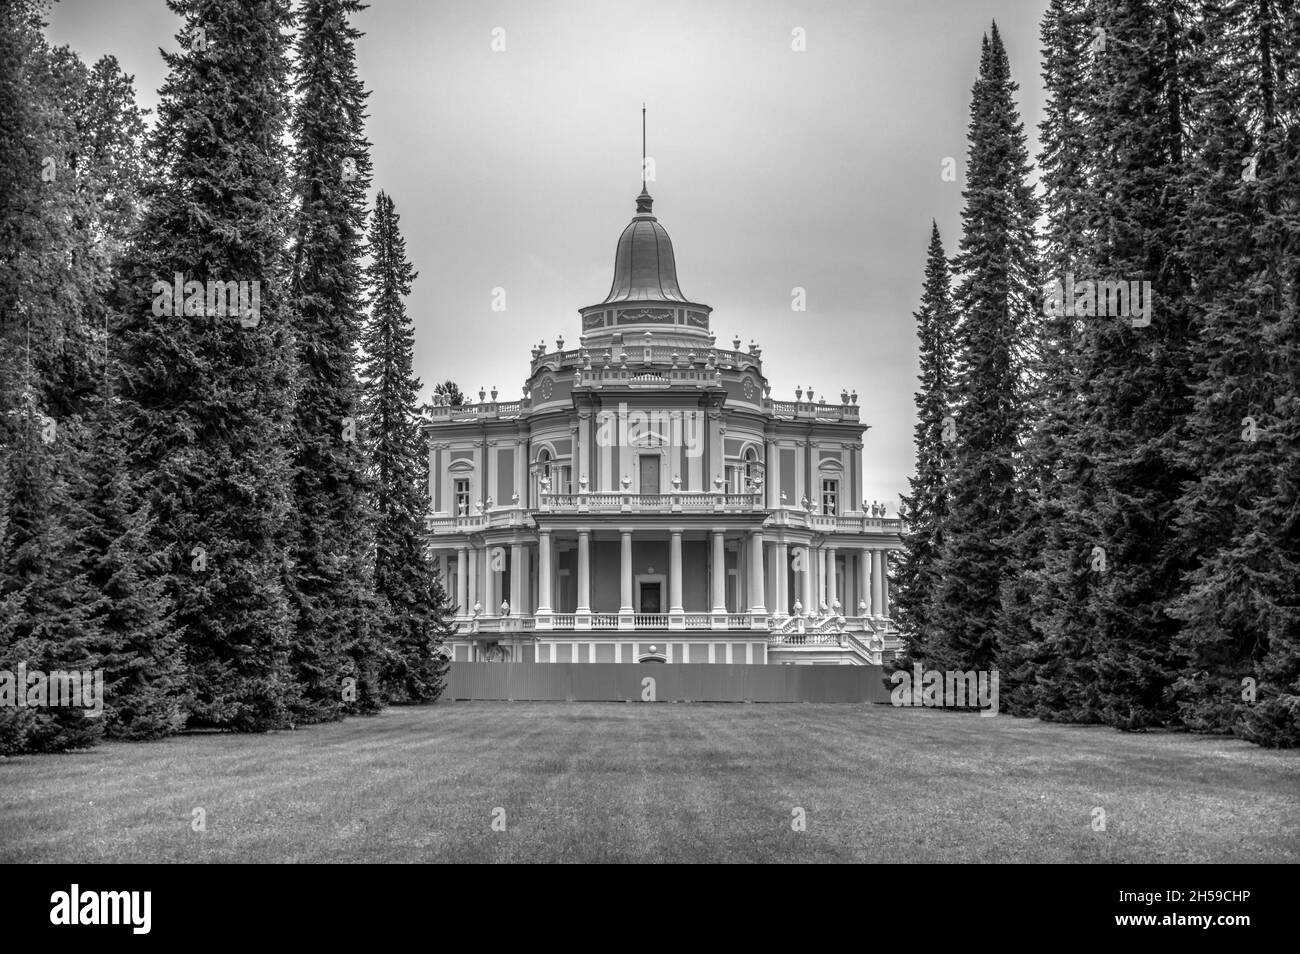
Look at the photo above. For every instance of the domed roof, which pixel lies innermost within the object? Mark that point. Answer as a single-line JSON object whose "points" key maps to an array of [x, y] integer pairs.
{"points": [[644, 267]]}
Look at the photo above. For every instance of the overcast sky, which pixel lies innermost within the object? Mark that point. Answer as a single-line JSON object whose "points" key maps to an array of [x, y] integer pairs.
{"points": [[774, 169]]}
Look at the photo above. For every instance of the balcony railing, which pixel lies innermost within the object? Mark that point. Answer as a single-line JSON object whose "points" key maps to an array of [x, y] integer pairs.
{"points": [[810, 411], [838, 523], [682, 502], [605, 622], [488, 410]]}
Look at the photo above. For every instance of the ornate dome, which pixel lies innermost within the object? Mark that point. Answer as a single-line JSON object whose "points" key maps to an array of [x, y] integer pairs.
{"points": [[644, 267]]}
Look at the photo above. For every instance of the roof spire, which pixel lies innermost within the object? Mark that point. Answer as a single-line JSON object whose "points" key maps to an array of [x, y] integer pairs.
{"points": [[643, 201]]}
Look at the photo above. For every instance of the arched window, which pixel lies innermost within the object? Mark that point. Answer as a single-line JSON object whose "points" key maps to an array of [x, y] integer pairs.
{"points": [[751, 466], [544, 470]]}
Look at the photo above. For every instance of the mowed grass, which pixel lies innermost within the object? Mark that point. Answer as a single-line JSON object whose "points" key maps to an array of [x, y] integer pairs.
{"points": [[664, 782]]}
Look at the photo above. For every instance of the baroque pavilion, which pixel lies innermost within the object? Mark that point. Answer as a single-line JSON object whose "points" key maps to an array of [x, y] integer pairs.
{"points": [[648, 501]]}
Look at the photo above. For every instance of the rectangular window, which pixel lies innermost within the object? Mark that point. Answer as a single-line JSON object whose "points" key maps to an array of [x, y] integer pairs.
{"points": [[462, 495], [830, 497]]}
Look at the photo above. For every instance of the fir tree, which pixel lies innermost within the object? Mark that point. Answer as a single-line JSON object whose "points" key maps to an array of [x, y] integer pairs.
{"points": [[51, 605], [1133, 374], [1045, 596], [1238, 605], [995, 301], [418, 612], [330, 580], [210, 387], [924, 510]]}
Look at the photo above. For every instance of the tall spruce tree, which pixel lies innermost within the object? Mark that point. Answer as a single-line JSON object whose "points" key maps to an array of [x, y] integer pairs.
{"points": [[210, 387], [1275, 719], [417, 611], [995, 302], [1132, 369], [1238, 605], [330, 582], [72, 137], [925, 509], [1045, 595]]}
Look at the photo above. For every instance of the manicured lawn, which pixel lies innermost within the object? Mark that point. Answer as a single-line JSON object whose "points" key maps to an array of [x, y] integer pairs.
{"points": [[665, 782]]}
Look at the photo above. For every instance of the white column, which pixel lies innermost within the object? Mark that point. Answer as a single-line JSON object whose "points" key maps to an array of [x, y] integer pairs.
{"points": [[877, 581], [719, 574], [625, 572], [757, 597], [584, 571], [525, 582], [782, 579], [517, 607], [770, 588], [771, 476], [832, 589], [809, 580], [821, 577], [884, 583], [864, 581], [675, 572], [491, 581], [474, 595], [543, 573], [463, 581]]}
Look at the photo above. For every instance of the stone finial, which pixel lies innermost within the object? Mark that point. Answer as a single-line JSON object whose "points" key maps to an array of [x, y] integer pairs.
{"points": [[798, 608], [735, 343], [626, 482], [677, 481], [482, 394], [505, 607], [559, 343], [494, 393]]}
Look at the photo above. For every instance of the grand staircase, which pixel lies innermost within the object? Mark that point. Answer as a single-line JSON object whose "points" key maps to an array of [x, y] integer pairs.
{"points": [[831, 639]]}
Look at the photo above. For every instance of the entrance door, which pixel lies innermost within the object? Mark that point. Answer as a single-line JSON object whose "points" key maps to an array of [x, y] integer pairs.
{"points": [[649, 473], [651, 597]]}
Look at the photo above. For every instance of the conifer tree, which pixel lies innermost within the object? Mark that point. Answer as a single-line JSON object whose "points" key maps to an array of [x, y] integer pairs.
{"points": [[1045, 596], [207, 377], [995, 303], [924, 510], [1238, 605], [1133, 366], [72, 139], [417, 611], [330, 583]]}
